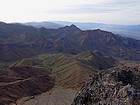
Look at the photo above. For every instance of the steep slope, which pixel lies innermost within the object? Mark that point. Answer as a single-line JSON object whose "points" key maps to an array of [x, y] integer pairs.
{"points": [[108, 44]]}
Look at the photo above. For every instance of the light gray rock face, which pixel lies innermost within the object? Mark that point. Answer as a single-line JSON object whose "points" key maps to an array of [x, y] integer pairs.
{"points": [[112, 87]]}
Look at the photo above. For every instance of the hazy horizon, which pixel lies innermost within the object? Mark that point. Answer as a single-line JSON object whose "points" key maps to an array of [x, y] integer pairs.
{"points": [[72, 22], [124, 12]]}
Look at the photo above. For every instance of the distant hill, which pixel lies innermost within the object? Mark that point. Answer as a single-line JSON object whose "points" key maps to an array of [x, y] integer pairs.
{"points": [[48, 25]]}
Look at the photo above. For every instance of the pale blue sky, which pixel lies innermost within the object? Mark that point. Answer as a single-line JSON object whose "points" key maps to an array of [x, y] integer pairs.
{"points": [[101, 11]]}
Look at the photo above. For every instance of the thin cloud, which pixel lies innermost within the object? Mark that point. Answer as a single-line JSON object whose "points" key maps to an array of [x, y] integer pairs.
{"points": [[102, 7], [103, 11]]}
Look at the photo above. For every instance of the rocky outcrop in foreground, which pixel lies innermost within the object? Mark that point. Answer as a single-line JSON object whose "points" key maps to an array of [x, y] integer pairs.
{"points": [[117, 86]]}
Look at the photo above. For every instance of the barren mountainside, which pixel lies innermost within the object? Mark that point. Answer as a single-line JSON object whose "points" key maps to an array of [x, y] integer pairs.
{"points": [[51, 74]]}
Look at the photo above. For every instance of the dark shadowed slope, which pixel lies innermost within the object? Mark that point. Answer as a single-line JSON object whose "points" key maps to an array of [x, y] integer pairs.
{"points": [[18, 82]]}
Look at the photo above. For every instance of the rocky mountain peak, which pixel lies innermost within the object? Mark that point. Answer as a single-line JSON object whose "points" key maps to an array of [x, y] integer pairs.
{"points": [[71, 28], [74, 26]]}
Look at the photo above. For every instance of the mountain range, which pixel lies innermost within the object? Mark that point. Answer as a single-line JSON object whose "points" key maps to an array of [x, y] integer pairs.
{"points": [[132, 31], [18, 41]]}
